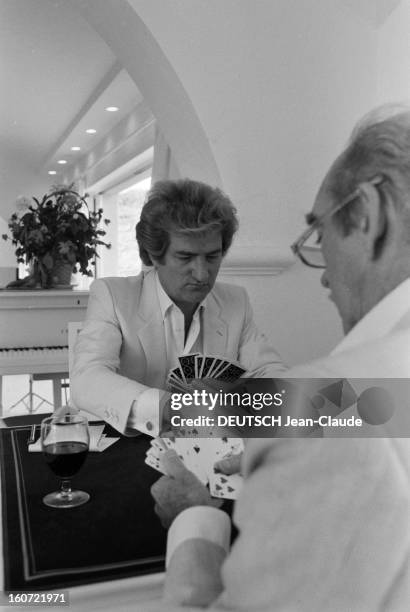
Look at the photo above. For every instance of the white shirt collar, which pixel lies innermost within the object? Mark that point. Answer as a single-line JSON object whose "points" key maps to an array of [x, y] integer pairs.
{"points": [[165, 301], [380, 320]]}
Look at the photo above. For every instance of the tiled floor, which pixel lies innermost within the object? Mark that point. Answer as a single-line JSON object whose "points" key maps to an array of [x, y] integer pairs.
{"points": [[15, 387]]}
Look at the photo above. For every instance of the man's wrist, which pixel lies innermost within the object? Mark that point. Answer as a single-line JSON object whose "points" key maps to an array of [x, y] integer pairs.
{"points": [[204, 522], [165, 412], [145, 412], [217, 503]]}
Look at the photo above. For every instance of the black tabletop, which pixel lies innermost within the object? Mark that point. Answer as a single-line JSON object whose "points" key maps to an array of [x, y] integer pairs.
{"points": [[114, 535]]}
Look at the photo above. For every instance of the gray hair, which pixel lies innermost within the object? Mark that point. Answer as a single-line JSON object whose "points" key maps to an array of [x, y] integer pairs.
{"points": [[379, 146]]}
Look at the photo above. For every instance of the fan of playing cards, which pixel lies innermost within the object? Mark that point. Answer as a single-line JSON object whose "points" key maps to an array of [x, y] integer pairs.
{"points": [[202, 366], [199, 456]]}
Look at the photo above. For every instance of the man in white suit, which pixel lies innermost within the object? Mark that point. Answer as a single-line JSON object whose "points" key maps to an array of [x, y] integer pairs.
{"points": [[323, 523], [136, 327]]}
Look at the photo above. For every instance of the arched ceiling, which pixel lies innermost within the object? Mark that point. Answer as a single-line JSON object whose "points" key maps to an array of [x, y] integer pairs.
{"points": [[63, 61], [57, 75]]}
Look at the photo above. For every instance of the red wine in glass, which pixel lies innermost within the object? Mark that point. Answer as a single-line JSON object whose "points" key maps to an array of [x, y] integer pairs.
{"points": [[65, 458], [65, 443]]}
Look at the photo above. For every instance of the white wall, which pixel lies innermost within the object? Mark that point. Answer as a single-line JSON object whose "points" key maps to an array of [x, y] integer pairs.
{"points": [[275, 89], [16, 179], [277, 86], [393, 60]]}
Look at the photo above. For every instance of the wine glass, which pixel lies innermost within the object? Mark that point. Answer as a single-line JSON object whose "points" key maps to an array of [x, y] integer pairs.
{"points": [[65, 442]]}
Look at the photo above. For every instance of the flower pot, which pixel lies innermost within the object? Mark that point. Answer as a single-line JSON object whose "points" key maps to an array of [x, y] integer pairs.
{"points": [[56, 276], [60, 273]]}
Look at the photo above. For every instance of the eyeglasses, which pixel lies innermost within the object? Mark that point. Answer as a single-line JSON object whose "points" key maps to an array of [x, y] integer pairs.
{"points": [[307, 246]]}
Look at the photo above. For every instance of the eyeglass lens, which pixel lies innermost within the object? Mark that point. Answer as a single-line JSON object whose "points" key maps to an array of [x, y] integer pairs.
{"points": [[311, 251], [312, 256]]}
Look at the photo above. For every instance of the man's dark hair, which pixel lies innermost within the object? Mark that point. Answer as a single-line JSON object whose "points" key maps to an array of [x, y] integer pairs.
{"points": [[187, 207]]}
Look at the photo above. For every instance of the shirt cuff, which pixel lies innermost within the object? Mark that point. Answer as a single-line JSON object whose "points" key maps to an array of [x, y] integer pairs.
{"points": [[144, 414], [202, 522]]}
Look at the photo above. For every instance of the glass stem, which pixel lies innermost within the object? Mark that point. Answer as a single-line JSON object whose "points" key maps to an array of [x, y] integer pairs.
{"points": [[66, 489]]}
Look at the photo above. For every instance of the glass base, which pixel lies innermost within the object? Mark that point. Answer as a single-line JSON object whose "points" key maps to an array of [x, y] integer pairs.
{"points": [[63, 500]]}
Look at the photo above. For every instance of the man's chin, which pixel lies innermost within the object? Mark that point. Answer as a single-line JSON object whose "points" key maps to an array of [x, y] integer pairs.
{"points": [[348, 325]]}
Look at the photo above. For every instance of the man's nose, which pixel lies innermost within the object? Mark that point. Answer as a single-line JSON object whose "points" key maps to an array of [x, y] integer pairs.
{"points": [[200, 270], [324, 280]]}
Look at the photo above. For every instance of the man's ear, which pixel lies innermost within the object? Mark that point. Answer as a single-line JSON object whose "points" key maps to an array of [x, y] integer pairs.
{"points": [[376, 219]]}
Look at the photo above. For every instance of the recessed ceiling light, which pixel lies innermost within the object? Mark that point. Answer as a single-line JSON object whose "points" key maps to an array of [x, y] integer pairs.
{"points": [[91, 131], [62, 161], [52, 172], [112, 109], [76, 148]]}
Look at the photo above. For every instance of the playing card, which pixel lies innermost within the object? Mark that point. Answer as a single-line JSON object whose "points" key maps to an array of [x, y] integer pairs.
{"points": [[215, 367], [187, 450], [204, 366], [180, 445], [154, 461], [230, 373], [194, 462], [187, 366], [158, 445], [177, 373], [225, 447], [225, 487], [198, 365], [214, 449], [219, 365], [207, 364], [178, 385]]}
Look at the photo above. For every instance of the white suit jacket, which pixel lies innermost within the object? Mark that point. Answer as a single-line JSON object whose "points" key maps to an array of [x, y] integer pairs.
{"points": [[121, 350], [324, 524]]}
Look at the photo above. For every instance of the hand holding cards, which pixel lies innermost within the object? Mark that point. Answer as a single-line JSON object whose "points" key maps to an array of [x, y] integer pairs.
{"points": [[178, 490], [199, 456]]}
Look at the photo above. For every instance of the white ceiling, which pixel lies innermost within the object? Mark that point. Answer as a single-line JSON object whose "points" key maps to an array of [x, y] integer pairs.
{"points": [[56, 78]]}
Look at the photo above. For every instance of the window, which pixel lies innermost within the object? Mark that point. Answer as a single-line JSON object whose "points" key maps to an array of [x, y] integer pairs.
{"points": [[122, 205], [130, 202]]}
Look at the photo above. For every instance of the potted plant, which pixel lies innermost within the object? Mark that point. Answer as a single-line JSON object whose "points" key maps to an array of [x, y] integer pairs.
{"points": [[56, 236]]}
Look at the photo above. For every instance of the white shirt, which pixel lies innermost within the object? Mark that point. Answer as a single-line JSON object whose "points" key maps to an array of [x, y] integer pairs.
{"points": [[199, 521], [380, 320], [145, 411], [174, 327]]}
